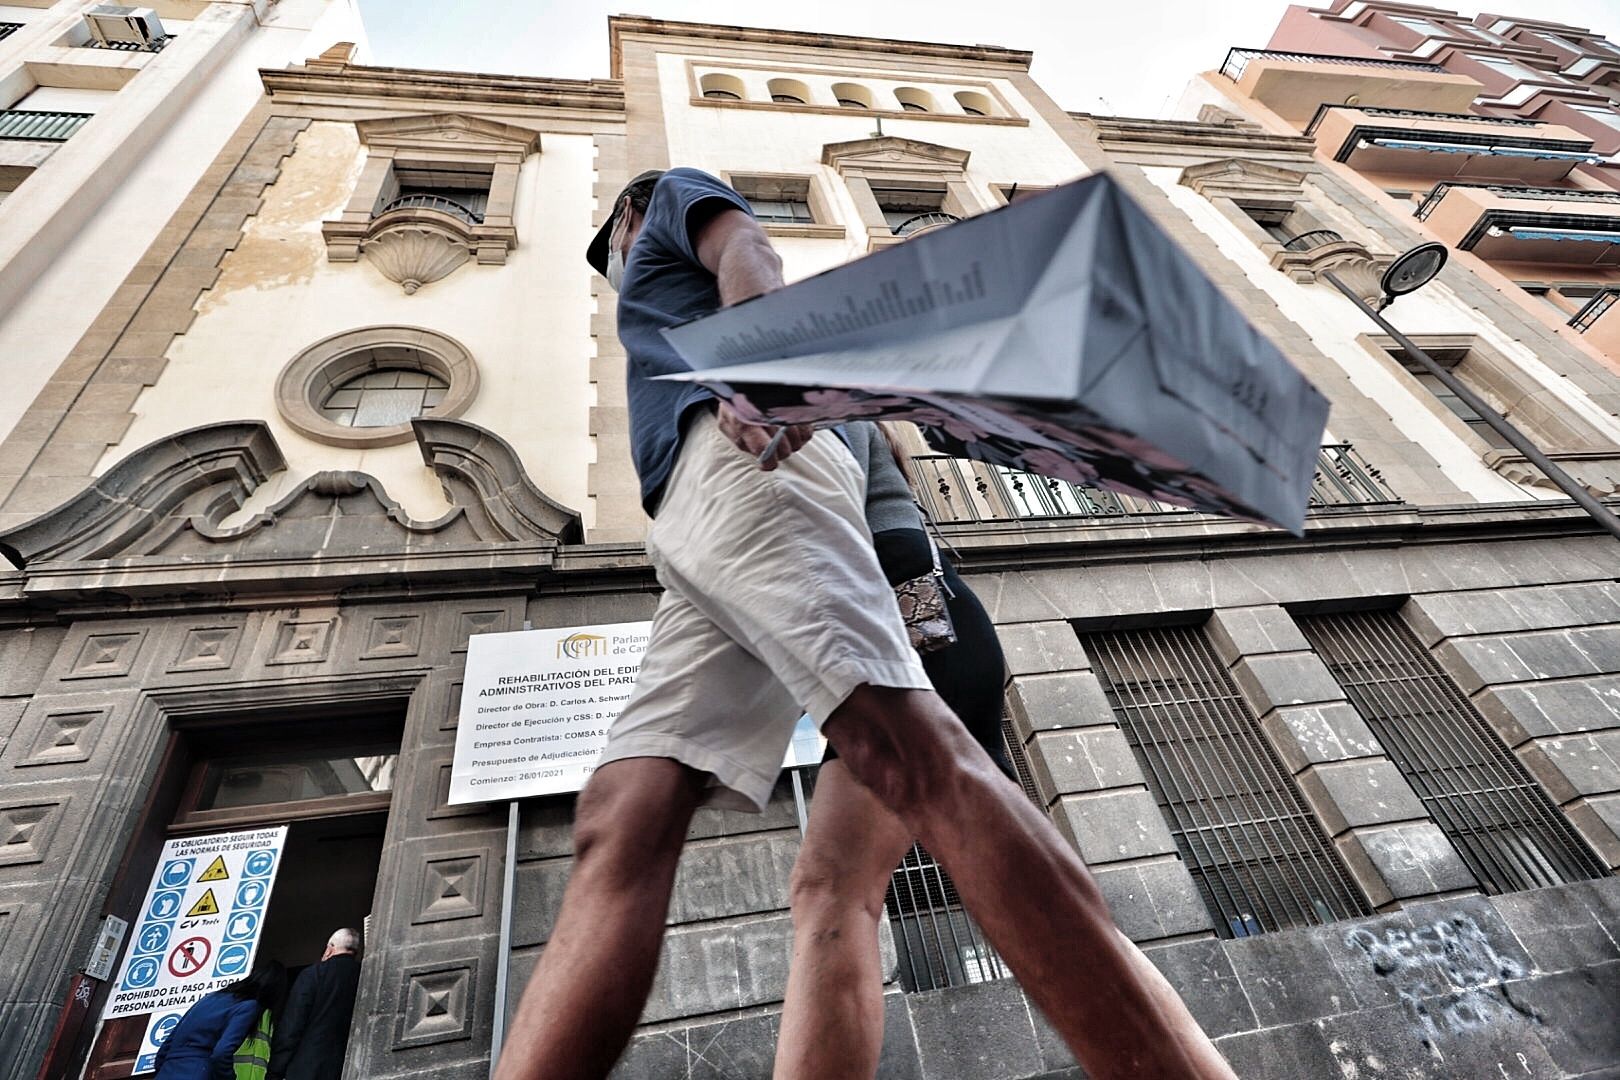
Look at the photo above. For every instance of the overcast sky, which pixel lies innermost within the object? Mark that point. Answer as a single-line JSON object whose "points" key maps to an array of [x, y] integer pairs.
{"points": [[1126, 57]]}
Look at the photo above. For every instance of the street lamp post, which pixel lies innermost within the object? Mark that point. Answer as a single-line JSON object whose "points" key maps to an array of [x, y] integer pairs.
{"points": [[1413, 270]]}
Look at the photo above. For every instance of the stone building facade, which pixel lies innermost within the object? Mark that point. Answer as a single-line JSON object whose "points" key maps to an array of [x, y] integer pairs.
{"points": [[1357, 792]]}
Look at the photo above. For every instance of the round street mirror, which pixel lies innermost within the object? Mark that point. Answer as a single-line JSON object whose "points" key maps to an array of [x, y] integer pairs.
{"points": [[1413, 269]]}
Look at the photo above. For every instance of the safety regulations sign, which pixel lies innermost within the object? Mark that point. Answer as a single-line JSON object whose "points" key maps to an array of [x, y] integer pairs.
{"points": [[536, 706], [197, 930]]}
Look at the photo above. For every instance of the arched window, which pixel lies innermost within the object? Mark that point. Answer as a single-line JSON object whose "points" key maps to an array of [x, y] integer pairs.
{"points": [[914, 100], [363, 388], [720, 87], [974, 104], [852, 95], [789, 92]]}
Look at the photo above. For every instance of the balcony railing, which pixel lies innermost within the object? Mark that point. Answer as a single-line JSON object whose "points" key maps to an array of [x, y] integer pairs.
{"points": [[9, 28], [1429, 114], [930, 220], [1310, 241], [39, 124], [1238, 59], [1432, 199], [954, 490], [435, 202], [1587, 317], [155, 45]]}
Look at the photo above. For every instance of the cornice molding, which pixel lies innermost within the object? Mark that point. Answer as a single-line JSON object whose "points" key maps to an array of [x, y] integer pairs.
{"points": [[1188, 134], [461, 87], [890, 151], [621, 25]]}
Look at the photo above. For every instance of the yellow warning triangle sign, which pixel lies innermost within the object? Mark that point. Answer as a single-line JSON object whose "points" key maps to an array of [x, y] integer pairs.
{"points": [[216, 870], [205, 905]]}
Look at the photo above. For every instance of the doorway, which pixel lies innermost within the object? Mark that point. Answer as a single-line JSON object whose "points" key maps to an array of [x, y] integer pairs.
{"points": [[329, 779]]}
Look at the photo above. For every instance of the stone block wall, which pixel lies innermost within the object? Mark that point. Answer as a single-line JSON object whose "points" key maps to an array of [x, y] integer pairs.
{"points": [[1380, 827], [1542, 664]]}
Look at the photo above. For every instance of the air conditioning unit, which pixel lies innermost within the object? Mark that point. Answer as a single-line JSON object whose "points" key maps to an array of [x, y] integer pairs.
{"points": [[114, 25]]}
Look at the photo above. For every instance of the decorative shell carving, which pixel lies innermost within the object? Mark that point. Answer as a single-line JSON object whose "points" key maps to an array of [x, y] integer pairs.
{"points": [[414, 256]]}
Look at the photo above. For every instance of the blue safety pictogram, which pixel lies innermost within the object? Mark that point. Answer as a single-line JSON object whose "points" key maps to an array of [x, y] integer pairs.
{"points": [[250, 894], [165, 905], [233, 959], [258, 863], [153, 937], [176, 873], [142, 972], [242, 927], [162, 1027]]}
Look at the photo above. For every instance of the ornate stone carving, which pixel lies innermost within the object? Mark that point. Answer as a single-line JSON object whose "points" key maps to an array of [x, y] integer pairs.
{"points": [[203, 473], [481, 473], [1251, 183], [106, 655], [393, 636], [302, 642], [1597, 471], [25, 831], [66, 736], [415, 255], [207, 648], [889, 151], [452, 888], [1352, 263], [437, 1004], [163, 506]]}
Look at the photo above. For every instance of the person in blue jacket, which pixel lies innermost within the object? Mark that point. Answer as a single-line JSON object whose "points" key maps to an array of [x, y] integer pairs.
{"points": [[203, 1044]]}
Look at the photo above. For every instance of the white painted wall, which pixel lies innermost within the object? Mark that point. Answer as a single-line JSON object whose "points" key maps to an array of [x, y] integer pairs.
{"points": [[1333, 324], [526, 325], [39, 330], [748, 140]]}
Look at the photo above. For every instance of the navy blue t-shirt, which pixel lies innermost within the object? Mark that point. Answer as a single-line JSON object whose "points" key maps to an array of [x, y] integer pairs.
{"points": [[665, 285]]}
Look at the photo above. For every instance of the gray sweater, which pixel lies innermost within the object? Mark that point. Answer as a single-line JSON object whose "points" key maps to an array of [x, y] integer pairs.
{"points": [[889, 502]]}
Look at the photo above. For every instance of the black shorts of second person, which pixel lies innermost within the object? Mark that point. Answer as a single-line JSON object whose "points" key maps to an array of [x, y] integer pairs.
{"points": [[968, 673]]}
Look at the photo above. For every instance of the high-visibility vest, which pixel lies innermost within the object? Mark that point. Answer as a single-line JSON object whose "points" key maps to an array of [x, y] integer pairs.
{"points": [[252, 1060]]}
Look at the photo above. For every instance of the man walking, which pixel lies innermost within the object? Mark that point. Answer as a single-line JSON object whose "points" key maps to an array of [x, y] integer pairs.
{"points": [[313, 1031], [774, 599]]}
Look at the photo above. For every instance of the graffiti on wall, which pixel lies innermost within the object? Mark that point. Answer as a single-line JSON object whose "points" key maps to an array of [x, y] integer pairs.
{"points": [[1446, 973]]}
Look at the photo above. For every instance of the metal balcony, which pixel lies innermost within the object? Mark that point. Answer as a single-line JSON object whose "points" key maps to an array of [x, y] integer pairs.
{"points": [[1598, 322], [957, 491], [9, 28], [1294, 84], [1423, 142], [1566, 226], [1237, 61], [40, 125], [923, 222], [434, 202]]}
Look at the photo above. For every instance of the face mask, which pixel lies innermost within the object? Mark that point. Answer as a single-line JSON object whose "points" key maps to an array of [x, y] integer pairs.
{"points": [[615, 266]]}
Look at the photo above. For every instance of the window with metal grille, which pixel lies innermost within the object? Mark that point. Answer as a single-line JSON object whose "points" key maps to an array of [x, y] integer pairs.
{"points": [[1502, 823], [938, 943], [1254, 850]]}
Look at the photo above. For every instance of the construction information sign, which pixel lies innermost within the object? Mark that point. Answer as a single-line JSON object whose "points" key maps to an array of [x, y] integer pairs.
{"points": [[536, 706], [197, 930]]}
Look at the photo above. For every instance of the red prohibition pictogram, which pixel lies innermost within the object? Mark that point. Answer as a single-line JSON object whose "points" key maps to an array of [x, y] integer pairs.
{"points": [[188, 957]]}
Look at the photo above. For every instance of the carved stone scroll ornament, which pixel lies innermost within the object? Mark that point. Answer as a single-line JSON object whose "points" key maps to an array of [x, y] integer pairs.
{"points": [[1352, 263], [415, 255], [164, 506]]}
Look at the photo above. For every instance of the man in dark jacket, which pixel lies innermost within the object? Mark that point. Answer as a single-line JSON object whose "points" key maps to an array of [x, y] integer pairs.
{"points": [[313, 1030]]}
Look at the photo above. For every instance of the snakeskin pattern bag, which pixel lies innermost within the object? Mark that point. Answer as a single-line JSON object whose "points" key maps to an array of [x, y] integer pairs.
{"points": [[923, 610]]}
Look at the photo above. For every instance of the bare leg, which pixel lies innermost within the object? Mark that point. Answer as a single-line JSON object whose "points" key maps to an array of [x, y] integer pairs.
{"points": [[593, 978], [1026, 887], [832, 1020]]}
